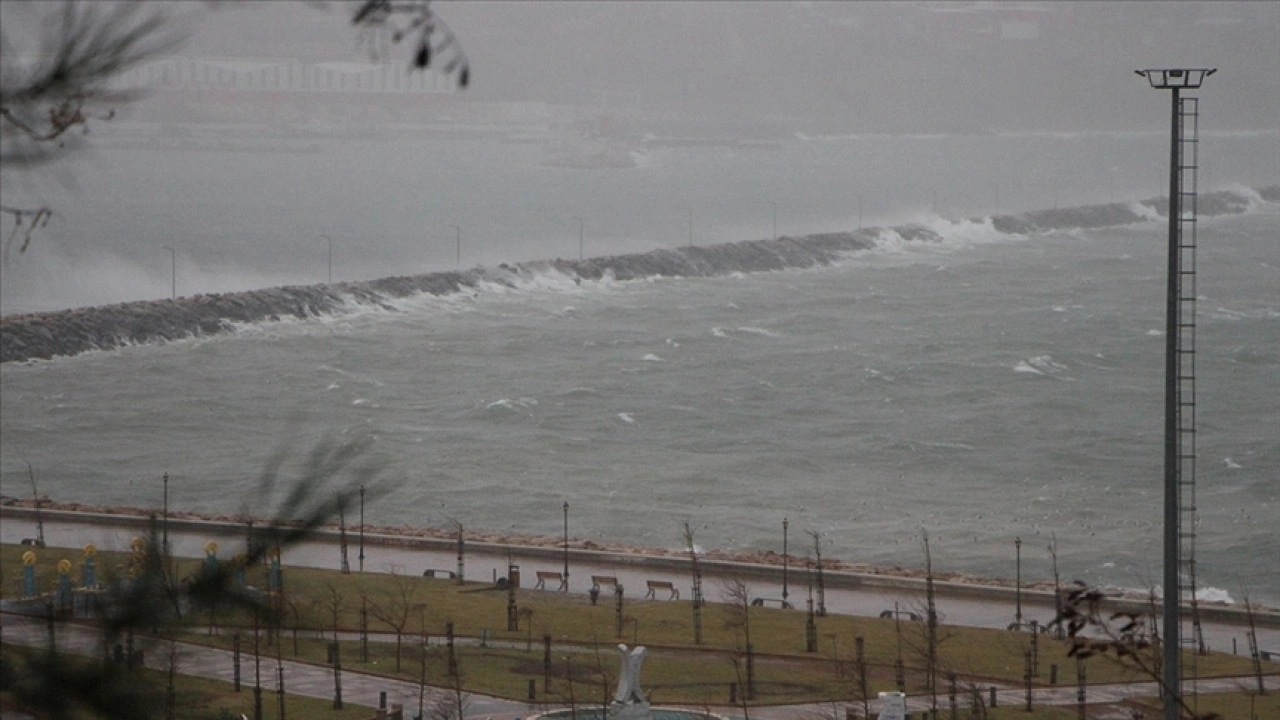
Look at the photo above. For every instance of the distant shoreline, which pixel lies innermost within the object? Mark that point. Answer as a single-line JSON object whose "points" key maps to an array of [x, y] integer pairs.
{"points": [[761, 564]]}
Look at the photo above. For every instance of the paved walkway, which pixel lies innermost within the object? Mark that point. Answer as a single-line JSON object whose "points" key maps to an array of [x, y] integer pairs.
{"points": [[359, 688]]}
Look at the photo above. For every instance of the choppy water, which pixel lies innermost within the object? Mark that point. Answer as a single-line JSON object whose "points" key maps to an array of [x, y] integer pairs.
{"points": [[987, 387]]}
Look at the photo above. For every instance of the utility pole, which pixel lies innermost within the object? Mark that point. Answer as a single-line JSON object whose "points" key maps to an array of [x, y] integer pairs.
{"points": [[580, 226], [361, 558], [173, 272], [784, 558], [329, 240], [164, 544], [1017, 594], [565, 583]]}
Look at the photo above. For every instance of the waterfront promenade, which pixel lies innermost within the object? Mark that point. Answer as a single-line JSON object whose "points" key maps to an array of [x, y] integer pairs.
{"points": [[969, 605]]}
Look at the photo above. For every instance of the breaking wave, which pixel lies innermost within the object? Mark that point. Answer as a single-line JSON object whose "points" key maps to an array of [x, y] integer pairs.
{"points": [[70, 332]]}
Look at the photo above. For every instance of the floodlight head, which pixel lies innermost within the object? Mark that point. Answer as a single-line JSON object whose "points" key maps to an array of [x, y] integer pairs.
{"points": [[1180, 78]]}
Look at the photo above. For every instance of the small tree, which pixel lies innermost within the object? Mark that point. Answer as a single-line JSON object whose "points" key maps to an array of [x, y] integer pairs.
{"points": [[397, 607], [697, 582], [332, 602], [1122, 636], [738, 597]]}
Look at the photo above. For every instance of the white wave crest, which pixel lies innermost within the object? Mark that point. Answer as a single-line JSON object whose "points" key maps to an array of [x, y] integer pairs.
{"points": [[1145, 211], [511, 404], [1040, 365]]}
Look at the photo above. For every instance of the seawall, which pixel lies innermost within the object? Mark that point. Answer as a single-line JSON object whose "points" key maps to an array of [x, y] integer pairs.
{"points": [[713, 564], [71, 332]]}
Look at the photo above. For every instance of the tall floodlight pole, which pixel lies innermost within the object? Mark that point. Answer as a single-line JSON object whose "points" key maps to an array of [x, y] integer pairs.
{"points": [[173, 272], [580, 225], [784, 558], [1175, 80], [457, 246]]}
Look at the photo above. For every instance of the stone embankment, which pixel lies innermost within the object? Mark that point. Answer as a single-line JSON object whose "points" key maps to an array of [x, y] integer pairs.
{"points": [[765, 565], [70, 332]]}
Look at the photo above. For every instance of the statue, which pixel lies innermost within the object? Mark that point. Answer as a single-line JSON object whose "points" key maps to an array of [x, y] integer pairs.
{"points": [[629, 702]]}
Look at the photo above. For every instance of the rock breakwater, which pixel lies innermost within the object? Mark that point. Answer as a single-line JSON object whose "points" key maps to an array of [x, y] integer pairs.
{"points": [[70, 332]]}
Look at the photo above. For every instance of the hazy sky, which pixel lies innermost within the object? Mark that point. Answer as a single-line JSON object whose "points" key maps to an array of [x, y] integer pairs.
{"points": [[825, 66], [808, 66]]}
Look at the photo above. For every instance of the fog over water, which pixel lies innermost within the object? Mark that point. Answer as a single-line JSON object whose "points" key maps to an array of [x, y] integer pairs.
{"points": [[1014, 377]]}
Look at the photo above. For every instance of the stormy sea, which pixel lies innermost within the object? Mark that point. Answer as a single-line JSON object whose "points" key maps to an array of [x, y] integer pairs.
{"points": [[914, 348]]}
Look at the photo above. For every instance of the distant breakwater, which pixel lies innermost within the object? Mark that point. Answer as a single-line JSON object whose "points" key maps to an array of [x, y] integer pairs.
{"points": [[71, 332]]}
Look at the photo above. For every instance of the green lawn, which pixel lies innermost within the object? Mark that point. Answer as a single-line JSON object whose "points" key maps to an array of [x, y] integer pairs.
{"points": [[583, 636]]}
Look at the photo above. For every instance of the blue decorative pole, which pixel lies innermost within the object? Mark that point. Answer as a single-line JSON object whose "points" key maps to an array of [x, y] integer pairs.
{"points": [[211, 558], [28, 574], [64, 584], [88, 578]]}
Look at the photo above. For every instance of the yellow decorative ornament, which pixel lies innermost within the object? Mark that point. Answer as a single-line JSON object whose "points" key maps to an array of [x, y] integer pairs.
{"points": [[211, 548], [64, 567], [90, 550], [28, 558], [138, 544]]}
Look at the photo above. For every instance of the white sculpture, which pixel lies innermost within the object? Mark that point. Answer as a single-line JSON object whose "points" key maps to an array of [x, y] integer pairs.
{"points": [[629, 702]]}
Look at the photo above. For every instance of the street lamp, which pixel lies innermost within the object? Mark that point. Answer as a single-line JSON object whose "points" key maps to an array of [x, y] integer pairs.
{"points": [[784, 558], [457, 254], [1175, 80], [164, 543], [690, 211], [580, 224], [1017, 615], [173, 272], [362, 528], [566, 545]]}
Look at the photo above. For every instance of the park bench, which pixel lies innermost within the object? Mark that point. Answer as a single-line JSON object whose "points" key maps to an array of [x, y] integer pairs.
{"points": [[545, 575], [889, 614], [432, 573], [598, 580], [656, 585]]}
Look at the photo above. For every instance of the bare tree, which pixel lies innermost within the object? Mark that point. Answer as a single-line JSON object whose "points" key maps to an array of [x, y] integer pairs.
{"points": [[738, 597], [697, 582], [1057, 584], [37, 502], [931, 629], [1122, 636], [1254, 655], [332, 602], [397, 607], [86, 45]]}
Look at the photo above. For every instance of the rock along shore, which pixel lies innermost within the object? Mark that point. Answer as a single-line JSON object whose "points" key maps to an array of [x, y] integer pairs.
{"points": [[71, 332]]}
